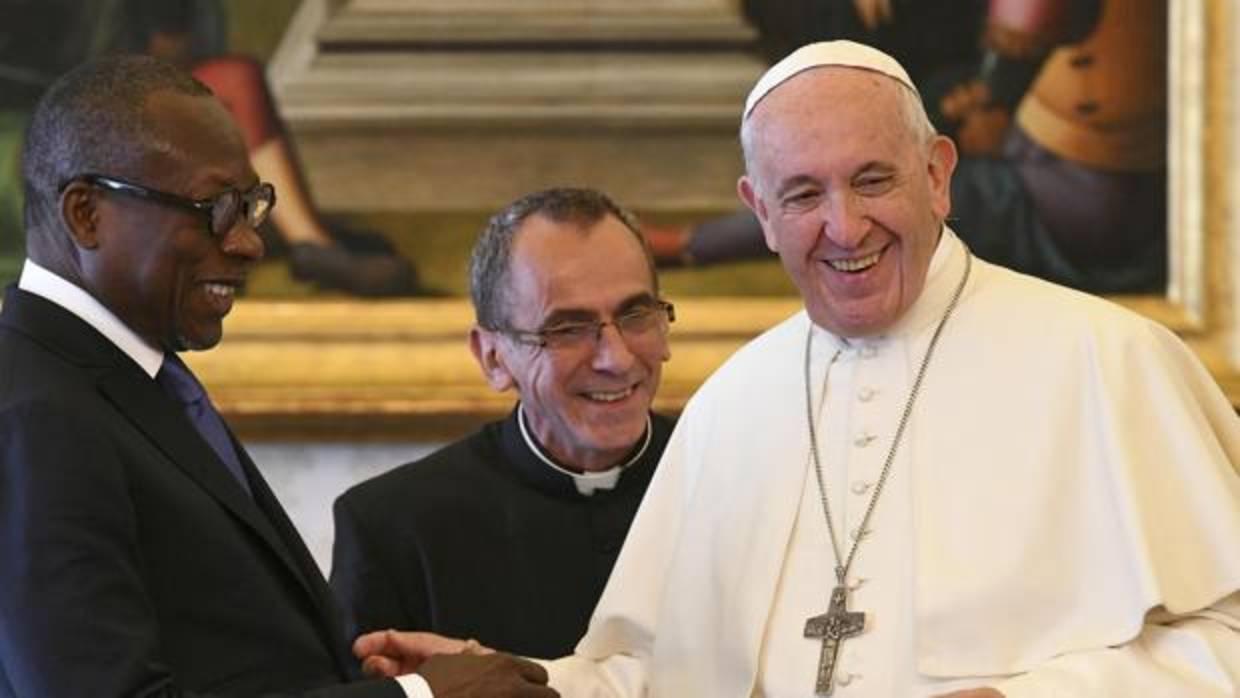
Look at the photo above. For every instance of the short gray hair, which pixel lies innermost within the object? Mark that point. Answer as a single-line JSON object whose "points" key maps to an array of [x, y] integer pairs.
{"points": [[491, 259], [93, 120]]}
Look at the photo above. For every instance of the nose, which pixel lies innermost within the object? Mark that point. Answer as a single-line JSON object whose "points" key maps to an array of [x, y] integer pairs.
{"points": [[844, 219], [243, 241], [611, 351]]}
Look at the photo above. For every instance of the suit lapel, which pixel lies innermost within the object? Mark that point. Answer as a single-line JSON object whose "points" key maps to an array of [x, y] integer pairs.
{"points": [[153, 413], [312, 578], [144, 404]]}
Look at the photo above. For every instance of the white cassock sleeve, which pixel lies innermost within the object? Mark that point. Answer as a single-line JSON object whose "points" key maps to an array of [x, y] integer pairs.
{"points": [[1192, 656], [617, 676]]}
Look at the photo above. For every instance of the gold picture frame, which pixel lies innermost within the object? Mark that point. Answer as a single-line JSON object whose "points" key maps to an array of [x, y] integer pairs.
{"points": [[401, 369]]}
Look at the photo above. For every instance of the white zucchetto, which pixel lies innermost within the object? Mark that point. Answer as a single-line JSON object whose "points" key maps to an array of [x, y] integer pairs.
{"points": [[848, 54]]}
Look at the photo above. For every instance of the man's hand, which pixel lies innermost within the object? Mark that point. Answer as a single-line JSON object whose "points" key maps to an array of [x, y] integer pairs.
{"points": [[967, 693], [453, 668], [494, 675], [392, 653]]}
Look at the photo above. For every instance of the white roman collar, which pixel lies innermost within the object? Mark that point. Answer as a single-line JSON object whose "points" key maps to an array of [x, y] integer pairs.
{"points": [[586, 482]]}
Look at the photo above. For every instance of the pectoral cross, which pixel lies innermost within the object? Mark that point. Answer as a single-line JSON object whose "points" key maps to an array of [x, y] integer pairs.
{"points": [[834, 626]]}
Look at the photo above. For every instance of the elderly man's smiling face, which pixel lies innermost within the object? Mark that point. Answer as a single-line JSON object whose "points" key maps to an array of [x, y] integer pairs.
{"points": [[850, 194]]}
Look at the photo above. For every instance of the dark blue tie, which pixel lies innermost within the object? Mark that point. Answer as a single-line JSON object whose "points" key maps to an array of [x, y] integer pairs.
{"points": [[177, 380]]}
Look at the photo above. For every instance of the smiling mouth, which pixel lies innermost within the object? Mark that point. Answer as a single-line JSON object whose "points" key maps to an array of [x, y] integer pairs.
{"points": [[613, 396], [220, 294], [856, 264], [221, 291]]}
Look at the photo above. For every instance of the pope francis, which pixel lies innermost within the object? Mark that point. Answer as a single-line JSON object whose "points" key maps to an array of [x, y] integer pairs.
{"points": [[940, 478]]}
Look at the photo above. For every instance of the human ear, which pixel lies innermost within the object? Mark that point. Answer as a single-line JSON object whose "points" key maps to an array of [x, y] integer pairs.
{"points": [[940, 165], [748, 193], [484, 345], [79, 210]]}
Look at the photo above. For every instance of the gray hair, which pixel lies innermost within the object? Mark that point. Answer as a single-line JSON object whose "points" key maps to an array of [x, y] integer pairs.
{"points": [[491, 259], [912, 112], [92, 120]]}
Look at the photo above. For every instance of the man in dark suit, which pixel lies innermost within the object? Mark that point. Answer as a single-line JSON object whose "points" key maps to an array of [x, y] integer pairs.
{"points": [[143, 554], [509, 535]]}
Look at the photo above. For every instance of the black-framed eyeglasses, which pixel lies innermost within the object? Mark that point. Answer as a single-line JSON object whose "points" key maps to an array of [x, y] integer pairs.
{"points": [[222, 211], [646, 321]]}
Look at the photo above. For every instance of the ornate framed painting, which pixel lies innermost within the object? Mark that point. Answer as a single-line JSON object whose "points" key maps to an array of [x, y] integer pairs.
{"points": [[401, 369]]}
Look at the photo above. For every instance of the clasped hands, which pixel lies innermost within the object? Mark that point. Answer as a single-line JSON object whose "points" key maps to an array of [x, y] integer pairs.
{"points": [[462, 668], [453, 668]]}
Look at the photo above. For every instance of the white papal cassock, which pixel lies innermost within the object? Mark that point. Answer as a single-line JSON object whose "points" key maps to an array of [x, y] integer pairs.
{"points": [[1062, 517]]}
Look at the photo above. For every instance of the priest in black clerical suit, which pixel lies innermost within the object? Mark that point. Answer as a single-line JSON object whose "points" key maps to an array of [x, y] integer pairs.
{"points": [[509, 535]]}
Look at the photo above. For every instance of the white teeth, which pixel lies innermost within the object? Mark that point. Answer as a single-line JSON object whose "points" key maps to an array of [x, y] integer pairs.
{"points": [[859, 264], [223, 290], [610, 397]]}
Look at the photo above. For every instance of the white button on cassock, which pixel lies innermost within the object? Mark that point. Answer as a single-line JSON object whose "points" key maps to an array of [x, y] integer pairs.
{"points": [[858, 533], [864, 439]]}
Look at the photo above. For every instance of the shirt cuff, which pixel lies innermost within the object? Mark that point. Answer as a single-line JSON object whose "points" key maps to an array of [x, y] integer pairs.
{"points": [[414, 686]]}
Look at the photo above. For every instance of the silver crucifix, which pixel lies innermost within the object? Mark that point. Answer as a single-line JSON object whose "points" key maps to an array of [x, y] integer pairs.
{"points": [[834, 626]]}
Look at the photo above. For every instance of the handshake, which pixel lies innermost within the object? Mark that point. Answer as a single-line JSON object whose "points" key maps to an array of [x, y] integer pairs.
{"points": [[453, 668]]}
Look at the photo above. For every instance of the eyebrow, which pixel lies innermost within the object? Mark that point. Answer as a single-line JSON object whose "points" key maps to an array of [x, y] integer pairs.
{"points": [[880, 166], [218, 182], [876, 166], [793, 183], [560, 315]]}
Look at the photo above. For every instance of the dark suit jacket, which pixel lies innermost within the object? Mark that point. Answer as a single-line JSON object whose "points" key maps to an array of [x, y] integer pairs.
{"points": [[131, 563]]}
